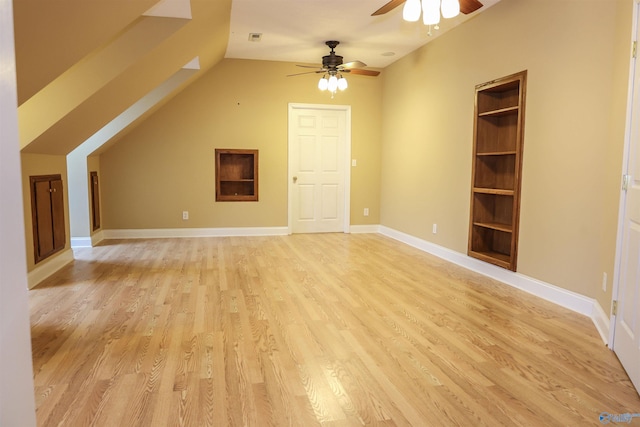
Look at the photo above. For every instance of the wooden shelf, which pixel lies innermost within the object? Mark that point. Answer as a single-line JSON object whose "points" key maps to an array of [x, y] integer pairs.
{"points": [[496, 258], [497, 167], [500, 112], [497, 153], [498, 191], [236, 175], [495, 226]]}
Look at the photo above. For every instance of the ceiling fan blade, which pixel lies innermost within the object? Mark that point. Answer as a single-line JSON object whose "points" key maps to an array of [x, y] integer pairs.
{"points": [[306, 72], [371, 73], [469, 6], [352, 64], [388, 7], [309, 66]]}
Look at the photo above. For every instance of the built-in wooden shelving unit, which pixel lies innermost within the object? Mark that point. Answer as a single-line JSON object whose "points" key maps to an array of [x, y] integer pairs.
{"points": [[236, 175], [497, 166]]}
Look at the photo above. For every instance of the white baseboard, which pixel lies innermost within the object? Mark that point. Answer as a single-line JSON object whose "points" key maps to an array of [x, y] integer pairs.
{"points": [[195, 232], [97, 238], [87, 242], [360, 229], [602, 322], [565, 298], [81, 242], [47, 268]]}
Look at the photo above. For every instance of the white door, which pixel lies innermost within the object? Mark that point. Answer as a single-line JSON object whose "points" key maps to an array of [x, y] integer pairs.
{"points": [[319, 149], [626, 341]]}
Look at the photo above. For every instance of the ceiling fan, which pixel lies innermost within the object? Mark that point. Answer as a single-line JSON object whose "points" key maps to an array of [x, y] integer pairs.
{"points": [[466, 6], [332, 64]]}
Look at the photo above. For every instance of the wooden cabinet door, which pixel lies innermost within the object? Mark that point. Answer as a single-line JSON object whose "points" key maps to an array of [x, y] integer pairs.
{"points": [[43, 220], [57, 214], [47, 212], [95, 201]]}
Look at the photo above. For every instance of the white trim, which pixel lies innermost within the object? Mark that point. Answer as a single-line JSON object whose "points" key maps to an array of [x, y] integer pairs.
{"points": [[625, 168], [600, 319], [97, 238], [81, 242], [87, 242], [46, 269], [365, 229], [170, 9], [194, 232], [565, 298], [347, 160]]}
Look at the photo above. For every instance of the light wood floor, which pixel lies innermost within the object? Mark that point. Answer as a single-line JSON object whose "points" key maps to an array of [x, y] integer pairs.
{"points": [[307, 330]]}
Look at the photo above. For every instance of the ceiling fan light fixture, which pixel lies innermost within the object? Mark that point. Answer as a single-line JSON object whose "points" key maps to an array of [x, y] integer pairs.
{"points": [[411, 10], [323, 83], [333, 70], [450, 8], [431, 12], [333, 83], [342, 83]]}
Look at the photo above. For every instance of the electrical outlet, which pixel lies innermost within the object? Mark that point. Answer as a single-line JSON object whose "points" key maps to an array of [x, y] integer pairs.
{"points": [[604, 282], [366, 211], [185, 215], [354, 162], [434, 229]]}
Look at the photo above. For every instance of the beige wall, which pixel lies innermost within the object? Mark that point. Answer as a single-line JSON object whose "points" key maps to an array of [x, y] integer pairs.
{"points": [[42, 164], [166, 165], [576, 98]]}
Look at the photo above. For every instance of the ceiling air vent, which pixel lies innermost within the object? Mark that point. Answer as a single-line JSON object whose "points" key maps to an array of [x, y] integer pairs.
{"points": [[255, 37]]}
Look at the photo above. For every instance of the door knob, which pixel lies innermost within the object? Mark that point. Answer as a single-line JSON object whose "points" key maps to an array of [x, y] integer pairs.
{"points": [[295, 179]]}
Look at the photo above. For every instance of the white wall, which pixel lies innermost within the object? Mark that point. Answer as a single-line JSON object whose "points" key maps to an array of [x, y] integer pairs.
{"points": [[17, 404]]}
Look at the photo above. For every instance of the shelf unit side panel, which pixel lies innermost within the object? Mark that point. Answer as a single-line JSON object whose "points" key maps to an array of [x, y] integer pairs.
{"points": [[519, 160]]}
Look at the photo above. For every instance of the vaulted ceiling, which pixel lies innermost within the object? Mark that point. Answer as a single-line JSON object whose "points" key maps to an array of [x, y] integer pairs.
{"points": [[82, 63]]}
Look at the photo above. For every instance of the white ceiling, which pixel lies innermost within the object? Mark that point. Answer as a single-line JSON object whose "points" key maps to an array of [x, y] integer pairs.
{"points": [[295, 30]]}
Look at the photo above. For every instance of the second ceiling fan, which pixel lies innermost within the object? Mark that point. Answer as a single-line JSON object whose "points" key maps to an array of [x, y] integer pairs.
{"points": [[333, 64], [332, 69]]}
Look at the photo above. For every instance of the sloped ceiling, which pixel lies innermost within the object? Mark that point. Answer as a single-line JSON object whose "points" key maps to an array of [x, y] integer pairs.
{"points": [[81, 63]]}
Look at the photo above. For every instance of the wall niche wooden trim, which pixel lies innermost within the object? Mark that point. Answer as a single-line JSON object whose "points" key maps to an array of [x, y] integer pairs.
{"points": [[236, 175]]}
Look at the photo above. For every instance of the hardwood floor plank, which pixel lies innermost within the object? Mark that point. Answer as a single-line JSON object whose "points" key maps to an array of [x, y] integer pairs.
{"points": [[307, 330], [47, 399]]}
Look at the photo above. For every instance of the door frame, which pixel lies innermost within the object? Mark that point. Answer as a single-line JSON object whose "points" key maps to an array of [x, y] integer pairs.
{"points": [[347, 159], [631, 108]]}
